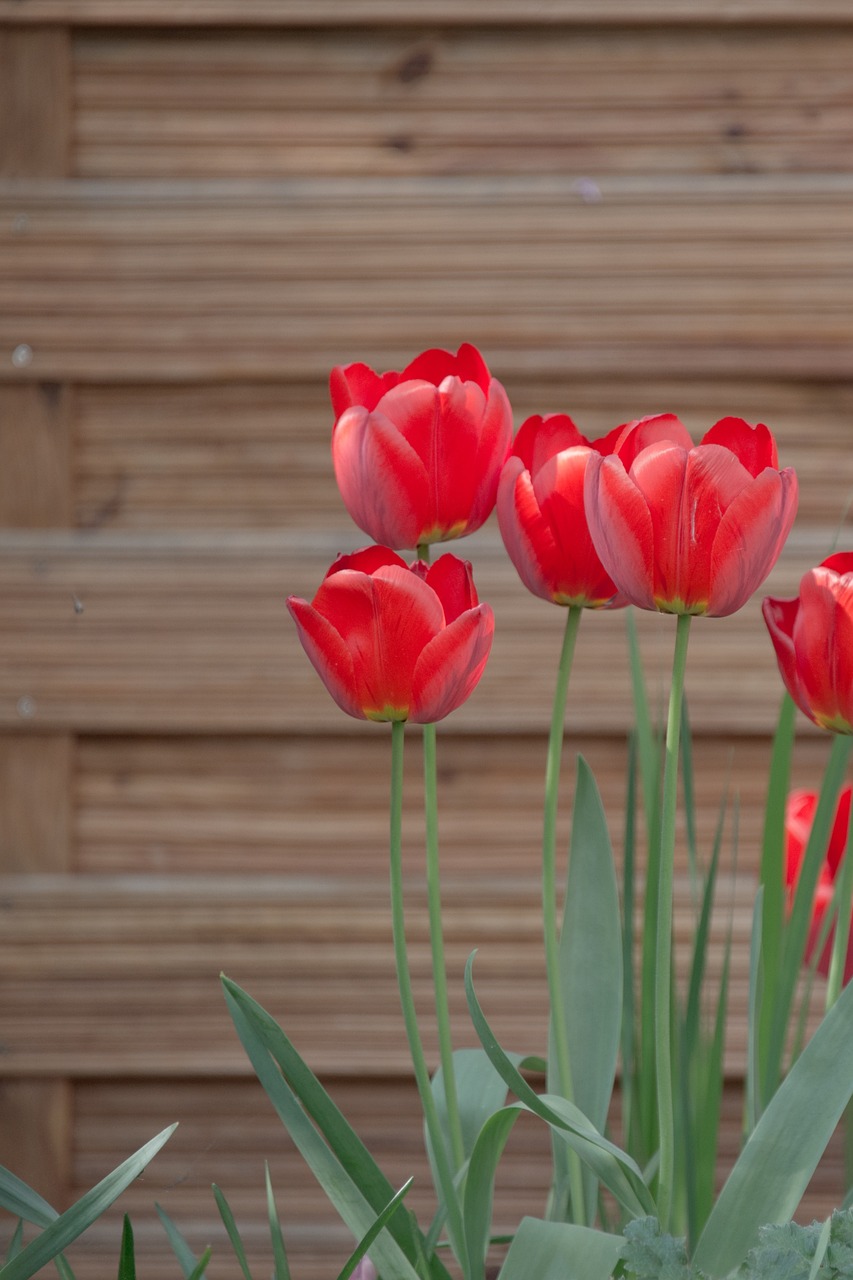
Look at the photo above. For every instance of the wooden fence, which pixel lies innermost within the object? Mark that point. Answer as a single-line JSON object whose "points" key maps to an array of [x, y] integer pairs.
{"points": [[630, 206]]}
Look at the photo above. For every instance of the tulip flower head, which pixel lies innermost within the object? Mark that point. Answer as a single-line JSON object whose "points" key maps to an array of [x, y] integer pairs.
{"points": [[393, 642], [813, 638], [799, 817], [686, 529], [418, 454], [542, 516]]}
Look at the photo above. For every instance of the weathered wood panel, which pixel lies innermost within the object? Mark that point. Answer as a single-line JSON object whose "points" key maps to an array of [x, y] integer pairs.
{"points": [[251, 455], [35, 91], [149, 281]]}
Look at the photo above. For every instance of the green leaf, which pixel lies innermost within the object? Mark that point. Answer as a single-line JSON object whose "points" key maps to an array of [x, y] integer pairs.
{"points": [[182, 1251], [198, 1270], [281, 1271], [16, 1242], [613, 1167], [231, 1227], [127, 1256], [69, 1225], [367, 1240], [268, 1050], [652, 1254], [480, 1183], [774, 1168], [23, 1202], [560, 1251], [590, 961], [481, 1091]]}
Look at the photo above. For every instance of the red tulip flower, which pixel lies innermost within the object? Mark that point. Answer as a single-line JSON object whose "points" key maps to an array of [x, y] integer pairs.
{"points": [[393, 642], [541, 508], [813, 638], [687, 529], [799, 816], [418, 454]]}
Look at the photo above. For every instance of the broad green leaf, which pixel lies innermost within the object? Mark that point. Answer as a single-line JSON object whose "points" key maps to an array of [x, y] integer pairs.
{"points": [[480, 1184], [281, 1270], [367, 1240], [23, 1202], [187, 1260], [480, 1092], [127, 1256], [613, 1167], [590, 962], [560, 1251], [774, 1168], [69, 1225], [260, 1037], [231, 1227]]}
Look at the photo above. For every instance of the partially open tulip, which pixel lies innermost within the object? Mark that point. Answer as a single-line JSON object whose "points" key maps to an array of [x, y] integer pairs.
{"points": [[542, 516], [799, 816], [393, 642], [686, 529], [813, 638], [418, 454]]}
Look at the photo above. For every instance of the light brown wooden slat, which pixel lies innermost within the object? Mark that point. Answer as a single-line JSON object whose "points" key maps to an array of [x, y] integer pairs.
{"points": [[144, 280], [190, 633], [35, 455], [336, 12], [397, 102], [35, 816], [255, 455], [36, 1134], [35, 90], [118, 976]]}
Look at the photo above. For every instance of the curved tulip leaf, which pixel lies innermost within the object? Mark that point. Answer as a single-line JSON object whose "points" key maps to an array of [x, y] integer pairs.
{"points": [[480, 1092], [17, 1198], [613, 1167], [777, 1162], [560, 1251], [590, 961], [71, 1224], [480, 1185]]}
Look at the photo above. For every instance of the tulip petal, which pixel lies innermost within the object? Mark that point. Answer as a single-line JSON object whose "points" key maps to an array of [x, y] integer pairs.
{"points": [[823, 640], [753, 445], [750, 538], [366, 560], [779, 617], [539, 439], [526, 533], [382, 480], [451, 664], [328, 654], [437, 364], [620, 525], [452, 580], [358, 384], [634, 437], [578, 576]]}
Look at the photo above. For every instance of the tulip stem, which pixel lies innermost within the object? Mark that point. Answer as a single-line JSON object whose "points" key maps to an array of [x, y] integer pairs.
{"points": [[663, 939], [842, 923], [551, 930], [436, 937], [404, 981]]}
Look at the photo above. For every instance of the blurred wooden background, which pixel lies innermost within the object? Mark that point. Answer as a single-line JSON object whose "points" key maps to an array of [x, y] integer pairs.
{"points": [[630, 206]]}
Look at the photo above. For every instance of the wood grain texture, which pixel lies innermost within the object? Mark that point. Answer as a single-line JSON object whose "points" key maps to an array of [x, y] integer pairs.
{"points": [[36, 1133], [473, 12], [190, 634], [251, 455], [734, 276], [394, 102], [35, 455], [36, 778], [35, 91]]}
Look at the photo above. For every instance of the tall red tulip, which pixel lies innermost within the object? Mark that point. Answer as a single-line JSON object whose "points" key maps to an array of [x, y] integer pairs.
{"points": [[393, 642], [799, 816], [418, 454], [813, 638], [541, 508], [691, 530]]}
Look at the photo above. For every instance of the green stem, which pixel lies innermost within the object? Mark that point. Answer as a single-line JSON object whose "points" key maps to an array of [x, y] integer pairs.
{"points": [[663, 957], [436, 937], [842, 923], [549, 891], [404, 981]]}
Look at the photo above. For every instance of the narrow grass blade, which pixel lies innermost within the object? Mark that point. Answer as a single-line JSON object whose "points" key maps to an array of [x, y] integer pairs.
{"points": [[17, 1198], [69, 1225], [187, 1260], [127, 1256], [560, 1251], [231, 1227], [774, 1168], [62, 1267], [756, 995], [198, 1270], [629, 1030], [16, 1243], [367, 1240], [281, 1270], [820, 1249]]}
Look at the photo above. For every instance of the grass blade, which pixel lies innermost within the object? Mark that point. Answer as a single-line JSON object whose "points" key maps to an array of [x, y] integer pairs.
{"points": [[127, 1256], [16, 1242], [367, 1240], [19, 1199], [231, 1227], [198, 1270], [186, 1258], [281, 1270]]}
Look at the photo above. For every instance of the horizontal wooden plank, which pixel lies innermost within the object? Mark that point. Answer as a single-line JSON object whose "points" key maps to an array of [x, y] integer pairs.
{"points": [[222, 281], [227, 1130], [475, 12], [252, 455], [394, 102], [139, 633], [118, 975]]}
